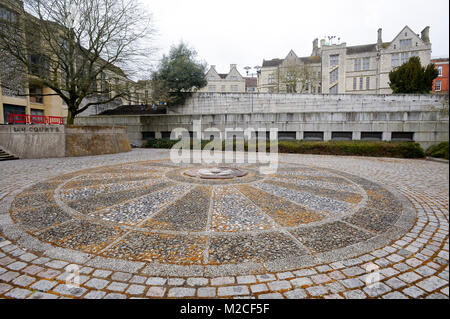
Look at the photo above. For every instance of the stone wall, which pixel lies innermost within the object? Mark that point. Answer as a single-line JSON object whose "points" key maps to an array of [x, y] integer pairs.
{"points": [[96, 140], [48, 141]]}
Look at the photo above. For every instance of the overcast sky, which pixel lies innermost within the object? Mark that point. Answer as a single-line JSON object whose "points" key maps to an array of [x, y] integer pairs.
{"points": [[244, 32]]}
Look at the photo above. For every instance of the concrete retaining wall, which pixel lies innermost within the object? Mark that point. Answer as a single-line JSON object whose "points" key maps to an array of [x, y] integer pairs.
{"points": [[33, 141], [237, 103], [49, 141], [422, 115]]}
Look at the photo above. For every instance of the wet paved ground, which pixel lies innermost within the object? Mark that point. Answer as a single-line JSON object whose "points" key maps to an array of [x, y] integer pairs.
{"points": [[134, 225]]}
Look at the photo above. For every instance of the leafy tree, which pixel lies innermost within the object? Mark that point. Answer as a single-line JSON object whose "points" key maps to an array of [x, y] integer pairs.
{"points": [[412, 77], [178, 75]]}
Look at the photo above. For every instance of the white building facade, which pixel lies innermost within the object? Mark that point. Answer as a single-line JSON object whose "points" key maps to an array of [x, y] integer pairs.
{"points": [[362, 69]]}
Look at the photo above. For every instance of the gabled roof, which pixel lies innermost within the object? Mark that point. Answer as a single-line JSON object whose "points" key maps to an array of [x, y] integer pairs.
{"points": [[273, 62], [403, 30], [311, 59]]}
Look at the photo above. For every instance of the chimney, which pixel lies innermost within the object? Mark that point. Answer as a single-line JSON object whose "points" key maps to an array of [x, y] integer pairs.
{"points": [[232, 66], [322, 43], [213, 67], [426, 35], [380, 38], [315, 47]]}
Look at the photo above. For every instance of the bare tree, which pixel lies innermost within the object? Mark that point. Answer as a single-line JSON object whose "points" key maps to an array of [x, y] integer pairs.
{"points": [[295, 77], [83, 50]]}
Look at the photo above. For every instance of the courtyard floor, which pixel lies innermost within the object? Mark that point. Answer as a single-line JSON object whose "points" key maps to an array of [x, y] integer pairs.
{"points": [[134, 225]]}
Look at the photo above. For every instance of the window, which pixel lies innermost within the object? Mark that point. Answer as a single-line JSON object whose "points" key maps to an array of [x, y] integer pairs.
{"points": [[36, 94], [361, 81], [395, 60], [271, 79], [7, 15], [234, 88], [223, 88], [439, 68], [367, 83], [405, 57], [357, 64], [334, 89], [334, 60], [334, 75], [438, 86], [211, 78], [355, 83], [234, 78], [212, 88], [414, 54], [406, 43], [366, 63]]}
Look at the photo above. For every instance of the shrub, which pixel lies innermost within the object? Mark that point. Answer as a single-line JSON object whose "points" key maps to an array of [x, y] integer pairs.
{"points": [[440, 150], [344, 148]]}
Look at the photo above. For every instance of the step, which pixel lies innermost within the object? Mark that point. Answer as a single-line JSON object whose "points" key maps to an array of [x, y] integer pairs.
{"points": [[4, 156]]}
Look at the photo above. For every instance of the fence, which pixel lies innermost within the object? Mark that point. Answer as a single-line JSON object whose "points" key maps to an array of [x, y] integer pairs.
{"points": [[34, 119]]}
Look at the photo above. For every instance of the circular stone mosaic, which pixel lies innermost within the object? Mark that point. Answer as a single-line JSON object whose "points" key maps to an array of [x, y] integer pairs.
{"points": [[167, 214]]}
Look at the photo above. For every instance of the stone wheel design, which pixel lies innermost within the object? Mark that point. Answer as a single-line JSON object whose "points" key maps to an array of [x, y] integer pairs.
{"points": [[156, 213]]}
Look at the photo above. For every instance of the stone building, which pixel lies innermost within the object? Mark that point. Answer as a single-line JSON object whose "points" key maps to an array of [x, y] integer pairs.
{"points": [[292, 74], [231, 82], [342, 69]]}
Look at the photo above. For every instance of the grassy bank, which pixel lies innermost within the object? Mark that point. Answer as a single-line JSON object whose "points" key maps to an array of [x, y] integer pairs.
{"points": [[345, 148]]}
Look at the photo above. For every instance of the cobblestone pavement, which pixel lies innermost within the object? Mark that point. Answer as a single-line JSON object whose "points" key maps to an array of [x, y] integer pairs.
{"points": [[134, 226]]}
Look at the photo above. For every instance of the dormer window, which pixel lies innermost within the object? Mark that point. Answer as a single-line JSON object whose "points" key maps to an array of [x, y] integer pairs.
{"points": [[234, 78]]}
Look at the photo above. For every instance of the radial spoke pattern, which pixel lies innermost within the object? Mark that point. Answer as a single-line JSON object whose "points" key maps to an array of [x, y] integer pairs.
{"points": [[154, 212]]}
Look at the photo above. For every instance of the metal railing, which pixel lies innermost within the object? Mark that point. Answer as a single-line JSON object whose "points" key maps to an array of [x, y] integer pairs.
{"points": [[34, 119]]}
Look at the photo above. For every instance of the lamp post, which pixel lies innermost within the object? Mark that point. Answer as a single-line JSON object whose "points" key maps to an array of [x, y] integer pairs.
{"points": [[252, 75]]}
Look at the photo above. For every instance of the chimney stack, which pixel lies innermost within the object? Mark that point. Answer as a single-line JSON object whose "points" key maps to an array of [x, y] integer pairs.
{"points": [[426, 35], [315, 47], [322, 43], [232, 66], [380, 37]]}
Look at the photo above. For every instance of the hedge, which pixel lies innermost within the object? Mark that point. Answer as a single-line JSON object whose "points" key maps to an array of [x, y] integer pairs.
{"points": [[345, 148], [439, 151]]}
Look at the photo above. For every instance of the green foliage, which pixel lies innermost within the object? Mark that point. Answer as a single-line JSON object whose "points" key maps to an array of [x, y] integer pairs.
{"points": [[412, 78], [178, 75], [344, 148], [439, 151]]}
